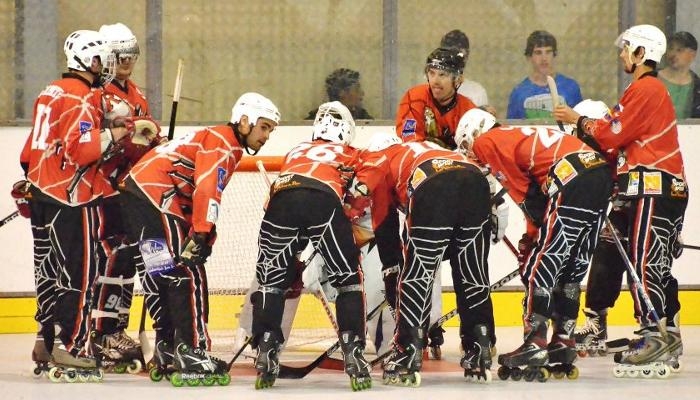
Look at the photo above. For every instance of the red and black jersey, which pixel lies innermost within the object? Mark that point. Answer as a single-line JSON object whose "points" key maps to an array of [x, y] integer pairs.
{"points": [[317, 165], [393, 174], [187, 176], [419, 118], [64, 145], [643, 128], [518, 155], [122, 100]]}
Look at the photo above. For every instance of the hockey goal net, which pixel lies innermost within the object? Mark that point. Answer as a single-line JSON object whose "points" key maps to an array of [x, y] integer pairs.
{"points": [[231, 268]]}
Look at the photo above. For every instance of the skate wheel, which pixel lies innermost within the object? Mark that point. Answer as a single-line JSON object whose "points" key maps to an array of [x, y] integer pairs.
{"points": [[209, 380], [262, 382], [573, 373], [542, 374], [516, 374], [558, 374], [223, 379], [84, 376], [633, 373], [582, 353], [647, 373], [413, 380], [193, 382], [120, 368], [675, 366], [55, 374], [176, 380], [70, 375], [618, 372], [98, 375], [663, 372], [602, 353], [37, 372], [503, 373], [155, 375], [135, 367]]}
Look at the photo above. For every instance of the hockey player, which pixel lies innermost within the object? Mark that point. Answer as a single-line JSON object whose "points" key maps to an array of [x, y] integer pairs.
{"points": [[60, 160], [431, 112], [550, 175], [642, 130], [446, 201], [305, 201], [171, 199], [122, 99]]}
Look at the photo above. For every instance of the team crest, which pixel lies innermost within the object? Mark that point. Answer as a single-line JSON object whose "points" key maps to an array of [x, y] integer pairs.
{"points": [[220, 179], [409, 128]]}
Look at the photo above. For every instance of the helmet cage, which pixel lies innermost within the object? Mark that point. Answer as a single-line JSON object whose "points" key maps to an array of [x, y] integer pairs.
{"points": [[334, 123]]}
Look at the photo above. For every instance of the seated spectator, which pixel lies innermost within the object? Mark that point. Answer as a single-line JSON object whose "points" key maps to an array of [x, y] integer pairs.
{"points": [[472, 89], [531, 98], [343, 85], [682, 83]]}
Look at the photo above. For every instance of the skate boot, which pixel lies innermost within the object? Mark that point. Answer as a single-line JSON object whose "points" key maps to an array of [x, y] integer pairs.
{"points": [[163, 362], [41, 356], [117, 352], [647, 358], [267, 362], [195, 367], [476, 357], [562, 354], [404, 364], [675, 349], [435, 340], [355, 364], [72, 368], [532, 354], [590, 339]]}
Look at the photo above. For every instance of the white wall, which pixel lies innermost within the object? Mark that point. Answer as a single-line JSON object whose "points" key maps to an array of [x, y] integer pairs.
{"points": [[15, 237]]}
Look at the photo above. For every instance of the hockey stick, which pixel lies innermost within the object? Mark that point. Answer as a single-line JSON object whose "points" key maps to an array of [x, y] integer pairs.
{"points": [[176, 98], [143, 338], [501, 282], [287, 372], [555, 97], [685, 246], [9, 218], [238, 353], [635, 278]]}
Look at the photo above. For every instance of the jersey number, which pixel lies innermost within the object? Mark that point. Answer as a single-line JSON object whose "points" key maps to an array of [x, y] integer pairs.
{"points": [[547, 137], [41, 127]]}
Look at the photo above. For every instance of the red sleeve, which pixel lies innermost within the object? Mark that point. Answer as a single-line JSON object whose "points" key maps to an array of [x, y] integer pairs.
{"points": [[410, 122]]}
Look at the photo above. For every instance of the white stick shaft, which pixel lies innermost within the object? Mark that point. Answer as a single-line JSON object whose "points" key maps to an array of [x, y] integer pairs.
{"points": [[178, 80]]}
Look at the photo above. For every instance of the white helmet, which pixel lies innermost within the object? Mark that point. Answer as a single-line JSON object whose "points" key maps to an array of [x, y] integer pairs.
{"points": [[81, 46], [382, 140], [122, 40], [472, 124], [595, 109], [254, 106], [334, 123], [647, 36]]}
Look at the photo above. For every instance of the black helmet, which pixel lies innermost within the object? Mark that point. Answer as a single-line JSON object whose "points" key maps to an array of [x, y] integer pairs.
{"points": [[446, 58]]}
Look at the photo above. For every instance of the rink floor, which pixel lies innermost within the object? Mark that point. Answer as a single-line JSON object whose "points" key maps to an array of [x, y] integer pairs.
{"points": [[440, 379]]}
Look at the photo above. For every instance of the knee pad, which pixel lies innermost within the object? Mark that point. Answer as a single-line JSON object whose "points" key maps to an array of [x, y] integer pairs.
{"points": [[541, 302], [567, 300]]}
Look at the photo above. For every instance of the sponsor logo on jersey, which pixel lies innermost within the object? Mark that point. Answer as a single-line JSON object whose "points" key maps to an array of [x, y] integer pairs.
{"points": [[220, 179], [409, 128], [652, 182], [85, 127], [678, 188], [633, 184], [213, 211], [156, 256]]}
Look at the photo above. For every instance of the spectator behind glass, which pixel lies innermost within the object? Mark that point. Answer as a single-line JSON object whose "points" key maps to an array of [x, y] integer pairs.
{"points": [[343, 85], [682, 83], [472, 89], [531, 99]]}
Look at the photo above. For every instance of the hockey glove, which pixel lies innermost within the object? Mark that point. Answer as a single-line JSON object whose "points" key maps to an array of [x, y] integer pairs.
{"points": [[21, 196], [499, 221], [196, 249], [145, 132], [525, 246], [390, 276]]}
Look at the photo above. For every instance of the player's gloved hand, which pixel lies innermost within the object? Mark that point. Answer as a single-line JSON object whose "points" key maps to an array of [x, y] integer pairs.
{"points": [[390, 276], [347, 173], [20, 194], [145, 131], [196, 249], [499, 221], [677, 247], [525, 246]]}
